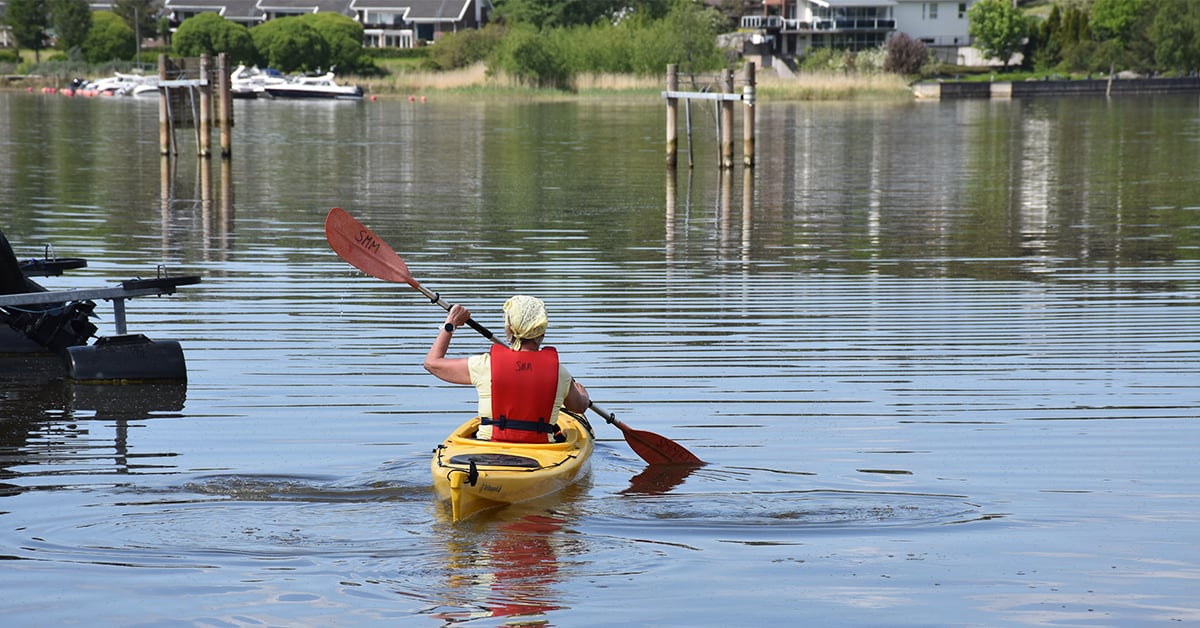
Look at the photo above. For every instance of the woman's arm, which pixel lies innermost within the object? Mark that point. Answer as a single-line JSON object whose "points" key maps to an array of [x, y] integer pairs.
{"points": [[577, 400], [453, 370]]}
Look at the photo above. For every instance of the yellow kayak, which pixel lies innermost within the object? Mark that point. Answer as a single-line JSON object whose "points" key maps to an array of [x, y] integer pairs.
{"points": [[475, 475]]}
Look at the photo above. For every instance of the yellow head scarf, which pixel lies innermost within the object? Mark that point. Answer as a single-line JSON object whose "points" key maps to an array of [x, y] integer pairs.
{"points": [[524, 319]]}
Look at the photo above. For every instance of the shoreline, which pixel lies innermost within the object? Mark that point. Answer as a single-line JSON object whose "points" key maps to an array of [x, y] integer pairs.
{"points": [[476, 83], [958, 90]]}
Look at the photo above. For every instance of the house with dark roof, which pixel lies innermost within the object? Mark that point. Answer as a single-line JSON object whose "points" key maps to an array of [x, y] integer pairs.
{"points": [[386, 23]]}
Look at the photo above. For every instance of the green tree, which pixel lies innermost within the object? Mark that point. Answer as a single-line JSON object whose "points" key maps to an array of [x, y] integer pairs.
{"points": [[211, 34], [999, 28], [72, 19], [1115, 19], [141, 15], [529, 56], [542, 14], [692, 30], [29, 21], [343, 37], [1175, 32], [290, 44], [110, 39], [1049, 40]]}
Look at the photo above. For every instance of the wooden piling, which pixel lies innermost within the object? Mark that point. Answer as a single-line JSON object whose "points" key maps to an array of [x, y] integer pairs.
{"points": [[164, 111], [748, 96], [225, 104], [727, 120], [204, 124], [672, 114]]}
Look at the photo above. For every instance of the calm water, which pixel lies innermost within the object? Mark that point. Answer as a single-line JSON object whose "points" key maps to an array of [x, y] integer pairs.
{"points": [[941, 358]]}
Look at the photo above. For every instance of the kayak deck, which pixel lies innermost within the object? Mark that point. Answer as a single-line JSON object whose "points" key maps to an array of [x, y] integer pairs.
{"points": [[475, 475]]}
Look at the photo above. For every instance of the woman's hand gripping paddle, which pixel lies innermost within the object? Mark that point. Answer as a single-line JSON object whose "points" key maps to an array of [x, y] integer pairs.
{"points": [[364, 250]]}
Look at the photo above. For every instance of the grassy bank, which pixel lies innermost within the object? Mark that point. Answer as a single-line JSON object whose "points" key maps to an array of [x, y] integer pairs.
{"points": [[476, 82]]}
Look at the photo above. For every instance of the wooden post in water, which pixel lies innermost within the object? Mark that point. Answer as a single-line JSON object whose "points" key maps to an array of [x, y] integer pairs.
{"points": [[164, 111], [672, 115], [726, 120], [225, 104], [204, 124], [748, 90]]}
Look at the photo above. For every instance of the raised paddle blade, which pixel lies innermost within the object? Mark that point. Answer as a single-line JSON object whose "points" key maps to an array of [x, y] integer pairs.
{"points": [[364, 250]]}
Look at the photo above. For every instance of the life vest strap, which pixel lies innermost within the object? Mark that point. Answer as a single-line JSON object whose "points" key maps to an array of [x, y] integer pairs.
{"points": [[506, 423]]}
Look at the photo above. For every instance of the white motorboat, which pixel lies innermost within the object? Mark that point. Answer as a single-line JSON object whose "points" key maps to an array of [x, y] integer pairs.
{"points": [[148, 87], [251, 82], [324, 86], [117, 85]]}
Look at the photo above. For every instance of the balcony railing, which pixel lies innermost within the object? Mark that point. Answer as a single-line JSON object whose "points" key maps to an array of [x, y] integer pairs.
{"points": [[774, 22], [762, 22]]}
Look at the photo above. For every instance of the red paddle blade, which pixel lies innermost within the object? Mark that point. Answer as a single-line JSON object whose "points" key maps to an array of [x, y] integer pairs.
{"points": [[655, 449], [364, 250]]}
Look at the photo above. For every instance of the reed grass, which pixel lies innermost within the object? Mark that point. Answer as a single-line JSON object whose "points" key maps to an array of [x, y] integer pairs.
{"points": [[833, 86], [477, 82]]}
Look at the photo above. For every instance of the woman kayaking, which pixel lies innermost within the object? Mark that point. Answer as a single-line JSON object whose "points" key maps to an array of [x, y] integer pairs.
{"points": [[522, 386]]}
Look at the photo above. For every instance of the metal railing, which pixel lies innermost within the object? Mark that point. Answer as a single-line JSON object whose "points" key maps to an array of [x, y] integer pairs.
{"points": [[774, 22]]}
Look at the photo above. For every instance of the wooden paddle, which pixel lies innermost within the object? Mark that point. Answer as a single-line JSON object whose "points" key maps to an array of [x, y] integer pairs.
{"points": [[364, 250]]}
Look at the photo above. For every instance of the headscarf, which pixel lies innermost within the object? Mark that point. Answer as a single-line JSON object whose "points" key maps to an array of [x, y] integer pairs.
{"points": [[525, 319]]}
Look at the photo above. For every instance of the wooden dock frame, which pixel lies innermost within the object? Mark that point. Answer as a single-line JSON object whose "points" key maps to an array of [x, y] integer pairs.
{"points": [[202, 85], [726, 97]]}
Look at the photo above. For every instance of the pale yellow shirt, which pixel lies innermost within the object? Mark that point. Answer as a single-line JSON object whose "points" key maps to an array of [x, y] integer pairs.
{"points": [[480, 366]]}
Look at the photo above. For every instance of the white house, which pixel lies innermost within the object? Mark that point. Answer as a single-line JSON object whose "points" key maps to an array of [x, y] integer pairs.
{"points": [[792, 27]]}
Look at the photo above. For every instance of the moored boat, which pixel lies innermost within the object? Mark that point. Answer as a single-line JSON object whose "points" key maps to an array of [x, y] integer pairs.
{"points": [[475, 475], [252, 82], [324, 86]]}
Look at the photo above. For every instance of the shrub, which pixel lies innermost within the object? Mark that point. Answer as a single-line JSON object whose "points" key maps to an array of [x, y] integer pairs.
{"points": [[343, 38], [209, 33], [905, 55], [529, 57], [109, 39], [290, 44], [465, 48]]}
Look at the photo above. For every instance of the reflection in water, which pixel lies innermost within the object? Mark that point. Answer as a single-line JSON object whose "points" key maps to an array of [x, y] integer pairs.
{"points": [[657, 479], [517, 562], [44, 425], [216, 226]]}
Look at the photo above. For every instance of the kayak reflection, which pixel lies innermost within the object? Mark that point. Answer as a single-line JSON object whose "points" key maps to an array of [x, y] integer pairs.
{"points": [[518, 565]]}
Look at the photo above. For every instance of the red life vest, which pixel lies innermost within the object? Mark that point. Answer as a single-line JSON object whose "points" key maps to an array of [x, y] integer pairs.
{"points": [[524, 392]]}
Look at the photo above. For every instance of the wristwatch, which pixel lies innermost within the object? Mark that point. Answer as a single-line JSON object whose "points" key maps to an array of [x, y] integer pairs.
{"points": [[449, 327]]}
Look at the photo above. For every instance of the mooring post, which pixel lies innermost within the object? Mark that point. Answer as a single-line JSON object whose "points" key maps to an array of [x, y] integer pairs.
{"points": [[164, 112], [672, 114], [726, 120], [204, 124], [748, 118], [225, 104]]}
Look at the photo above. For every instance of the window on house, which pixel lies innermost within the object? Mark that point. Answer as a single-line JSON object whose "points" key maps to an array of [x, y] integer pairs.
{"points": [[933, 10], [962, 10]]}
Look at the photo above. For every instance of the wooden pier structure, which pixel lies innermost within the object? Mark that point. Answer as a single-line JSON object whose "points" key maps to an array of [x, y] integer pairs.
{"points": [[725, 99], [186, 100]]}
